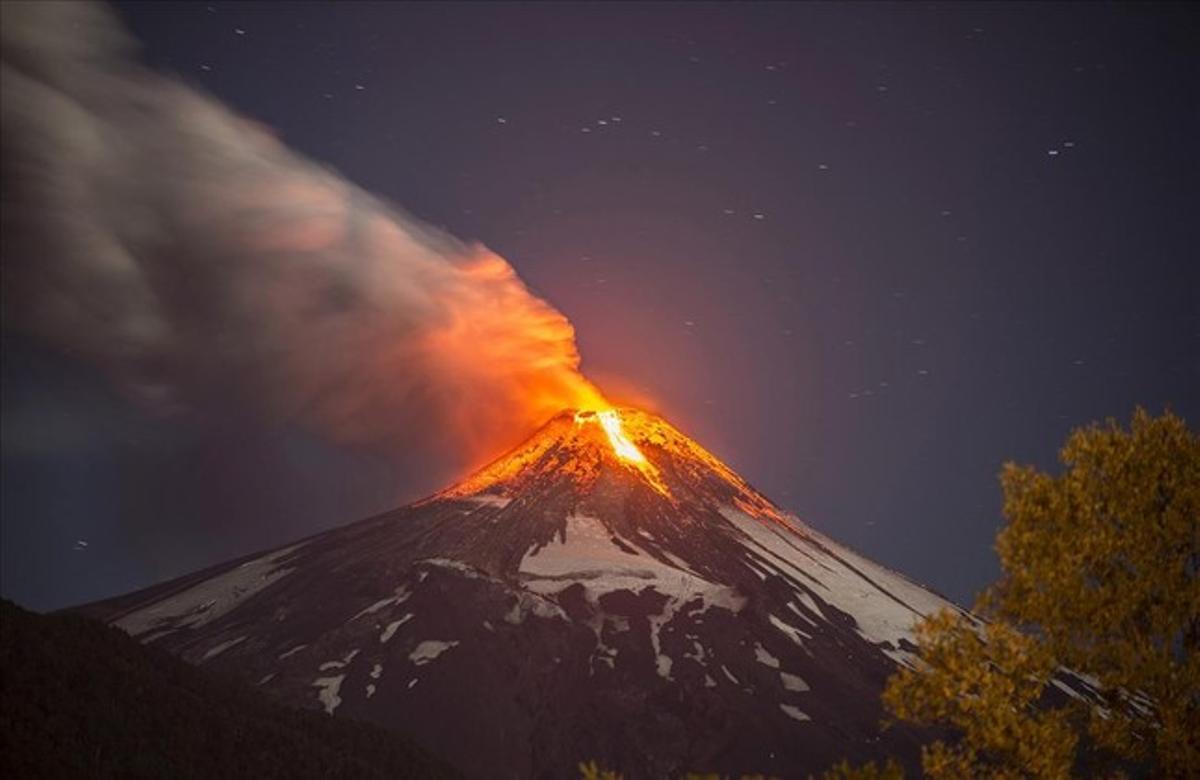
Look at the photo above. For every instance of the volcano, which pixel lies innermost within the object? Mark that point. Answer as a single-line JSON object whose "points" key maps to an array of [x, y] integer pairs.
{"points": [[608, 590]]}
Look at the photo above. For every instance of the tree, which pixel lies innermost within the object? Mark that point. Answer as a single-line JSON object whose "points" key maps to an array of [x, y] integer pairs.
{"points": [[1101, 578], [590, 770], [891, 770]]}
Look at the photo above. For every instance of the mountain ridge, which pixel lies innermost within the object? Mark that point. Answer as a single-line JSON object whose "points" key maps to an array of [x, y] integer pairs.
{"points": [[607, 589]]}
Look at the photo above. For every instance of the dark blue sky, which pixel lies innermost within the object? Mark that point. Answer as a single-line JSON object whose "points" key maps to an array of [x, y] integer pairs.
{"points": [[865, 253]]}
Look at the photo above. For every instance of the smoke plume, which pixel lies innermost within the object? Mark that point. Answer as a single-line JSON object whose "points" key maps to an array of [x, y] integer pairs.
{"points": [[194, 258]]}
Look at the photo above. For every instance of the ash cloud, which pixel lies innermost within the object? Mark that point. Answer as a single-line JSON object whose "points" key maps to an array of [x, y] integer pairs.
{"points": [[183, 249]]}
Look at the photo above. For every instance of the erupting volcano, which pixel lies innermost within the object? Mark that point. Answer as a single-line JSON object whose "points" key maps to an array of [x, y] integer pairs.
{"points": [[606, 590]]}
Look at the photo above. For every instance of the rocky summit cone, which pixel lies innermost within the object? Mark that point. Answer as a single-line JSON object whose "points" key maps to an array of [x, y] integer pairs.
{"points": [[608, 591]]}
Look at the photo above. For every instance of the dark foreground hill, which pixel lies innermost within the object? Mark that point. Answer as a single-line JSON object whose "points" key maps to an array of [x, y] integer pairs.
{"points": [[81, 699]]}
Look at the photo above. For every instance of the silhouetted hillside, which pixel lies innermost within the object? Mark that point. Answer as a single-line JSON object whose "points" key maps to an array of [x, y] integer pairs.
{"points": [[78, 698]]}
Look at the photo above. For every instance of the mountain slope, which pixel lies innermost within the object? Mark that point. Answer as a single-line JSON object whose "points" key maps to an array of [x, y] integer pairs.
{"points": [[607, 590], [80, 699]]}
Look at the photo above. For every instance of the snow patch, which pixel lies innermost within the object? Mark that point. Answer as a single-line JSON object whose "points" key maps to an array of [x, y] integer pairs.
{"points": [[370, 690], [698, 654], [884, 604], [796, 611], [662, 662], [399, 596], [218, 649], [807, 600], [765, 658], [488, 499], [453, 565], [532, 604], [586, 553], [328, 693], [376, 670], [792, 683], [793, 712], [150, 637], [791, 632], [209, 599], [291, 652], [1074, 694], [390, 630], [429, 650], [346, 659]]}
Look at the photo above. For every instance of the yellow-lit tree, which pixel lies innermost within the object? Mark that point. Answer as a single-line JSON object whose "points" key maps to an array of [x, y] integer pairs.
{"points": [[1101, 576]]}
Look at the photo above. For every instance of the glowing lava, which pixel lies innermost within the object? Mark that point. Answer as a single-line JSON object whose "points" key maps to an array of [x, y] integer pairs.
{"points": [[623, 447], [611, 422]]}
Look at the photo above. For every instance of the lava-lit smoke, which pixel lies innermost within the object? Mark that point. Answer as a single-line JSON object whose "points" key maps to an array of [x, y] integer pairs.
{"points": [[182, 248]]}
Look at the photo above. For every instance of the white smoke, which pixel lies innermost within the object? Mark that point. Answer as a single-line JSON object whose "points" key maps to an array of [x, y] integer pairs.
{"points": [[183, 249]]}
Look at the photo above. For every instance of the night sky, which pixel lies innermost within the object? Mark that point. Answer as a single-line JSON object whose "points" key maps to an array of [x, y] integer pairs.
{"points": [[864, 253]]}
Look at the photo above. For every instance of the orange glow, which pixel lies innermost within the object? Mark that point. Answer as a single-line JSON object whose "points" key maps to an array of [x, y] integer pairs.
{"points": [[622, 446], [581, 448], [611, 422], [507, 360]]}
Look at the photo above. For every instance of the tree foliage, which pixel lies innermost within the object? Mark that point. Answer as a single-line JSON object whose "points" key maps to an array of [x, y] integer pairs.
{"points": [[1100, 578], [890, 770], [987, 685], [590, 770]]}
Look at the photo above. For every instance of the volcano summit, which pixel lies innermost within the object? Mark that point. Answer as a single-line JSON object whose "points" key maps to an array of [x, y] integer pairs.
{"points": [[607, 590]]}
